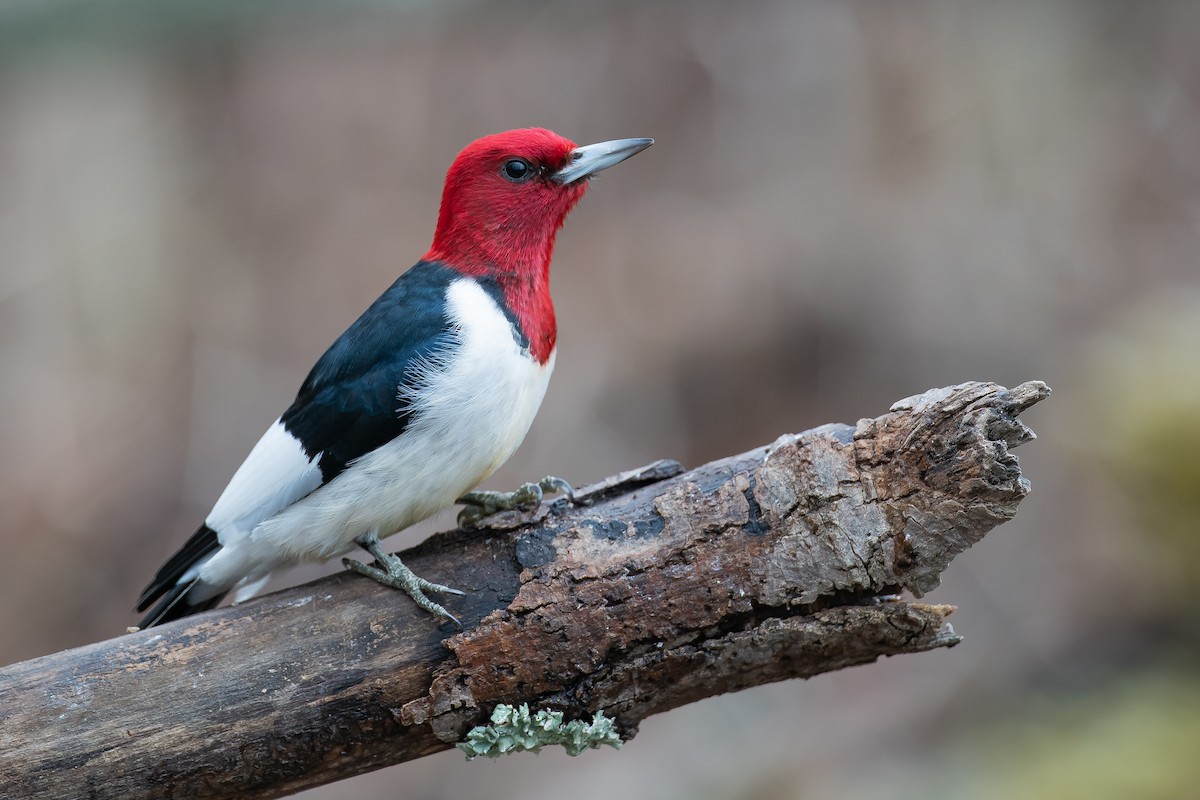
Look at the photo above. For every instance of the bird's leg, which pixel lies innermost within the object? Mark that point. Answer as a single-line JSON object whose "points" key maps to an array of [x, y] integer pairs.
{"points": [[392, 572], [527, 496]]}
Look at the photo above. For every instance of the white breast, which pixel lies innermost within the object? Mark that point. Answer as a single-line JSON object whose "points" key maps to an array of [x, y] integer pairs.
{"points": [[474, 405]]}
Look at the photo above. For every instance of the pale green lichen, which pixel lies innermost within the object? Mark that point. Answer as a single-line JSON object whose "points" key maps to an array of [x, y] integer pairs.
{"points": [[515, 729]]}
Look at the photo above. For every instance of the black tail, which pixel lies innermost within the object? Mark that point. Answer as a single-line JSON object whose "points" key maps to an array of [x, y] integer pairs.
{"points": [[175, 603]]}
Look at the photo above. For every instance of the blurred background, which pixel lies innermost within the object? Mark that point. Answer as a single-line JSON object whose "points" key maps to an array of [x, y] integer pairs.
{"points": [[849, 202]]}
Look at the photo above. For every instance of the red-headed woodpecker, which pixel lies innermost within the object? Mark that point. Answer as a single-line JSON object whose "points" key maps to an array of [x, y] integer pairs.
{"points": [[420, 400]]}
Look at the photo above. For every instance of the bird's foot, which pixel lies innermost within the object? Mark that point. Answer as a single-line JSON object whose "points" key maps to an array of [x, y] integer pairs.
{"points": [[393, 572], [528, 496]]}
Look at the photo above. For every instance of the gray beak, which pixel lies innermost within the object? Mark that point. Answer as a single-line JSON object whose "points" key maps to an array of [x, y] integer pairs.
{"points": [[590, 159]]}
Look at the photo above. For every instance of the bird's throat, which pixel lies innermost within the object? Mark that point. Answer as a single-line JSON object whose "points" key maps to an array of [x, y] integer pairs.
{"points": [[523, 275], [529, 300]]}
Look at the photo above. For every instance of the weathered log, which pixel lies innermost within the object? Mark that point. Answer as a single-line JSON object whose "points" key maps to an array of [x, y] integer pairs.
{"points": [[658, 588]]}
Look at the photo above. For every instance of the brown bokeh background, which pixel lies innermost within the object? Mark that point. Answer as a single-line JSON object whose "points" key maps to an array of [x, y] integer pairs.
{"points": [[849, 202]]}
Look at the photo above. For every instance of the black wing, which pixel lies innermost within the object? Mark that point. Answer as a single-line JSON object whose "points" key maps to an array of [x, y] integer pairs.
{"points": [[349, 404]]}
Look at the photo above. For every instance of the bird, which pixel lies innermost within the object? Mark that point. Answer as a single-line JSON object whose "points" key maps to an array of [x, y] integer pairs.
{"points": [[421, 399]]}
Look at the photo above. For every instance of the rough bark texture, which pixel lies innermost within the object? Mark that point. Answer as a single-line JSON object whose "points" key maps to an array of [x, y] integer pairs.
{"points": [[660, 588]]}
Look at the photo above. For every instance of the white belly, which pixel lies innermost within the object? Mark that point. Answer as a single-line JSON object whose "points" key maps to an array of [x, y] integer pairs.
{"points": [[473, 409]]}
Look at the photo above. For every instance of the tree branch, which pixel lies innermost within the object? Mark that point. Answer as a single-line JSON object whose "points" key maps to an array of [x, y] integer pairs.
{"points": [[660, 588]]}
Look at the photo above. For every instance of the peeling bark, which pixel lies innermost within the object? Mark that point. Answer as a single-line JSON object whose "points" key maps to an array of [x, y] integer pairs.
{"points": [[658, 588]]}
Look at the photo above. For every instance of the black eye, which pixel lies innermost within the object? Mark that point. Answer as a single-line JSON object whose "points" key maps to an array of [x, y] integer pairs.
{"points": [[517, 170]]}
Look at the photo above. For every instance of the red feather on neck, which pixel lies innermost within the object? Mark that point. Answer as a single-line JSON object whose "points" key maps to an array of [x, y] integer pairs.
{"points": [[490, 226]]}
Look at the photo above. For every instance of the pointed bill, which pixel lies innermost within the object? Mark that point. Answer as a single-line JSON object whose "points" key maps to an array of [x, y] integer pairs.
{"points": [[590, 159]]}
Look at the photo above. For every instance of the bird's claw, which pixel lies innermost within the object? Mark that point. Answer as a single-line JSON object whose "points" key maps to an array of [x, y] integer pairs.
{"points": [[550, 483], [527, 497], [393, 572]]}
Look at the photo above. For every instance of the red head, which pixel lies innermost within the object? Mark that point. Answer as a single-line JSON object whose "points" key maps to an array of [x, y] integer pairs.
{"points": [[501, 209], [505, 198]]}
